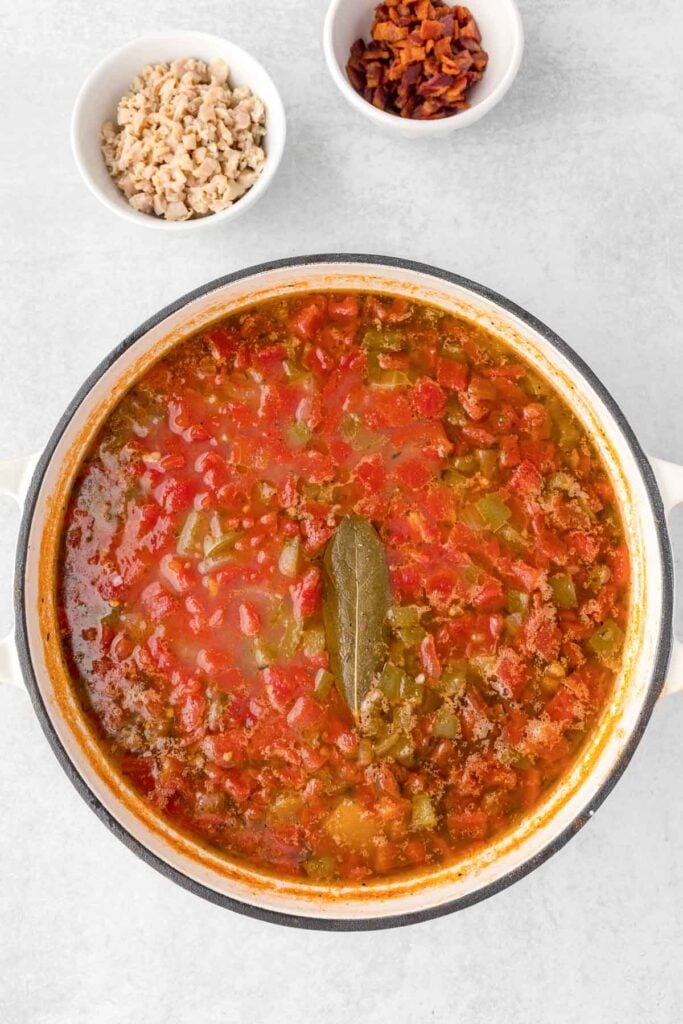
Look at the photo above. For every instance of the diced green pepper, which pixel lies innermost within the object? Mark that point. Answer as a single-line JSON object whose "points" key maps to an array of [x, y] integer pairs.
{"points": [[454, 678], [389, 378], [219, 550], [606, 640], [423, 814], [390, 681], [517, 601], [446, 723], [564, 591], [288, 562], [405, 621], [493, 511]]}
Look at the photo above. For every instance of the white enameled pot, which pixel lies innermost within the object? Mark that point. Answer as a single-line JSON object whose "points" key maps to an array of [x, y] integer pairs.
{"points": [[647, 491]]}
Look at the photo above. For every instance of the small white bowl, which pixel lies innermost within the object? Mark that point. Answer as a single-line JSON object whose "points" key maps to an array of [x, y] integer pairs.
{"points": [[502, 37], [104, 87]]}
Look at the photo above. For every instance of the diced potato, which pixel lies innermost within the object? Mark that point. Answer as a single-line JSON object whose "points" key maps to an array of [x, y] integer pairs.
{"points": [[423, 813], [349, 825]]}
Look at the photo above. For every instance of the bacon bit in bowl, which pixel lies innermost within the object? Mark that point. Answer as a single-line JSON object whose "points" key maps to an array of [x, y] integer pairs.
{"points": [[185, 144], [423, 59]]}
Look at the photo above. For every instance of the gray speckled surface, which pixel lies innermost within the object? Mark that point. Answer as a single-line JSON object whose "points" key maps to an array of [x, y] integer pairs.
{"points": [[567, 199]]}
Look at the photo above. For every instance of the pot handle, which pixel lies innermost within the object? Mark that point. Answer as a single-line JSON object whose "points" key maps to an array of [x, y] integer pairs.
{"points": [[15, 476], [669, 477]]}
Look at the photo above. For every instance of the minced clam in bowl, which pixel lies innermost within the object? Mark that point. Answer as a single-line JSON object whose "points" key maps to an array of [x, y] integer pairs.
{"points": [[178, 131]]}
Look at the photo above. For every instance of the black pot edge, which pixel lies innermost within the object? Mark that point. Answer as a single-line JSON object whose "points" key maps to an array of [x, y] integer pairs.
{"points": [[660, 665]]}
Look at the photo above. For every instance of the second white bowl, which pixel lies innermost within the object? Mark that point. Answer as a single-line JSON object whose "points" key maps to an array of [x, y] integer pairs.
{"points": [[502, 37], [111, 79]]}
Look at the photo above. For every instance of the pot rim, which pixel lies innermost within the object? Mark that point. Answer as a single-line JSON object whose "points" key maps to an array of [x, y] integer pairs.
{"points": [[658, 670]]}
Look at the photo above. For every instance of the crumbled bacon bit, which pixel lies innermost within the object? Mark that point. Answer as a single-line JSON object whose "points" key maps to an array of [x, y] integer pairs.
{"points": [[423, 59]]}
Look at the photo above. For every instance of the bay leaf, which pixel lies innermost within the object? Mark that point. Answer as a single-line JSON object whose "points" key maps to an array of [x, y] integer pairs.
{"points": [[355, 605]]}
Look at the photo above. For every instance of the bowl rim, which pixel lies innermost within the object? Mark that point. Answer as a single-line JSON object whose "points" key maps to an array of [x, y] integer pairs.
{"points": [[658, 667], [409, 126], [275, 109]]}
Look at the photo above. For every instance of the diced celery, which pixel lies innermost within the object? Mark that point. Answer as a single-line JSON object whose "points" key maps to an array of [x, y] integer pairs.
{"points": [[365, 752], [298, 435], [564, 591], [324, 681], [493, 511], [285, 807], [320, 868], [190, 535], [386, 340], [389, 378], [560, 482], [534, 385], [390, 681], [405, 615], [513, 623], [454, 678], [606, 640], [386, 745], [446, 723], [265, 491], [288, 562], [431, 700], [291, 637], [411, 690], [263, 654], [549, 684], [453, 478], [423, 814], [470, 517], [466, 464], [295, 372], [350, 425], [570, 435], [512, 538], [452, 349], [314, 641], [404, 751]]}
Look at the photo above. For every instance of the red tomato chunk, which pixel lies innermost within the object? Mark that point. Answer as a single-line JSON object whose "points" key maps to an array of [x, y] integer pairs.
{"points": [[192, 597]]}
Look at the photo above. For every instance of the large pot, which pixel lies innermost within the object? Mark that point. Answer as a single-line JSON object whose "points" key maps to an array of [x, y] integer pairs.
{"points": [[647, 491]]}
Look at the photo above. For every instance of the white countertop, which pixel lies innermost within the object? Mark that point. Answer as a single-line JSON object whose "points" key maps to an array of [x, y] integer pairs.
{"points": [[567, 199]]}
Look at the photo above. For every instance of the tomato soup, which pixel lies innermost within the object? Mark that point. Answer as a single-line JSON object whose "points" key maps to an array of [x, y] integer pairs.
{"points": [[343, 587]]}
